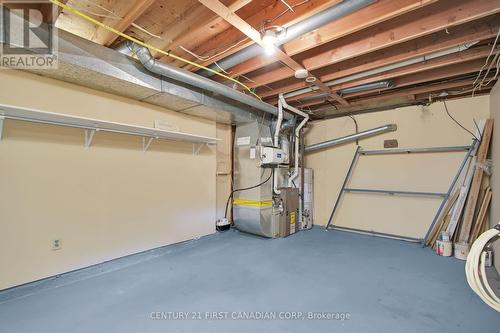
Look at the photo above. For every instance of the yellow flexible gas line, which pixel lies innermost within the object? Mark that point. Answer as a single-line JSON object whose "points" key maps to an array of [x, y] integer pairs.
{"points": [[150, 47]]}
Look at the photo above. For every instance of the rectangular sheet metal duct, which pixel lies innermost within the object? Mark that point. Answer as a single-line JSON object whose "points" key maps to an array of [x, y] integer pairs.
{"points": [[352, 137]]}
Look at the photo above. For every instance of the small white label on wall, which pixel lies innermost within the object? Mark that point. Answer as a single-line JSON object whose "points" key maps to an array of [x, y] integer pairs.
{"points": [[252, 153], [266, 140], [243, 141]]}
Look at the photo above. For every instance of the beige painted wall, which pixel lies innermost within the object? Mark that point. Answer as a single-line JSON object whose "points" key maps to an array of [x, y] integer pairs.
{"points": [[104, 202], [417, 127], [495, 177]]}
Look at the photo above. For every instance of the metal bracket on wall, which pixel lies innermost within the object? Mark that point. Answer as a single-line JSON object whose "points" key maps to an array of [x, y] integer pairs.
{"points": [[197, 148], [146, 142], [89, 135], [1, 126]]}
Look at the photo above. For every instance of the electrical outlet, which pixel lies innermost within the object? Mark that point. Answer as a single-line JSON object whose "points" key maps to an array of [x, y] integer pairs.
{"points": [[56, 244]]}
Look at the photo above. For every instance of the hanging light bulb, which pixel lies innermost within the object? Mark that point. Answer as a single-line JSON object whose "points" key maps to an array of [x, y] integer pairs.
{"points": [[269, 41]]}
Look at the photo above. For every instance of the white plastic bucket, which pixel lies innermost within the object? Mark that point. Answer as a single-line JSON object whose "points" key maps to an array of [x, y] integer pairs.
{"points": [[462, 250]]}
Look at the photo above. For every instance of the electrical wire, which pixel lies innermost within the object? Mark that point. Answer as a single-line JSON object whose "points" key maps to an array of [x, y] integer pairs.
{"points": [[456, 121], [150, 47], [99, 6], [222, 69], [477, 127], [490, 67], [246, 78], [497, 72], [146, 31], [207, 58], [245, 189], [488, 58], [90, 12], [286, 11], [286, 4], [479, 85], [332, 104], [113, 16], [454, 92]]}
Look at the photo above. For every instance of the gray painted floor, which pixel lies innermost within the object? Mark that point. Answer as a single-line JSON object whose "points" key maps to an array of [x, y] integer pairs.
{"points": [[384, 285]]}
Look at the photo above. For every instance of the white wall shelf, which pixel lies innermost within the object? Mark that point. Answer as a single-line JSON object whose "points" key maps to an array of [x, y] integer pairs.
{"points": [[92, 126]]}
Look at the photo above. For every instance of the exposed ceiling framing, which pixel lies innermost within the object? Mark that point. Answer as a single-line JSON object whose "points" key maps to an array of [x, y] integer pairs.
{"points": [[422, 48]]}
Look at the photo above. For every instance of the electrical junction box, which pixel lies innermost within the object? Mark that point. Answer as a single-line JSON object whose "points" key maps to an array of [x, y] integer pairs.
{"points": [[271, 155]]}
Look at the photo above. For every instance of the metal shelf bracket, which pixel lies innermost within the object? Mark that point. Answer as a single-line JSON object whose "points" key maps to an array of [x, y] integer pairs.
{"points": [[146, 142], [89, 135], [197, 148]]}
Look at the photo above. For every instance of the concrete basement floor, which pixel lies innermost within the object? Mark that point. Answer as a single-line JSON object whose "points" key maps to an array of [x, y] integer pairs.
{"points": [[384, 285]]}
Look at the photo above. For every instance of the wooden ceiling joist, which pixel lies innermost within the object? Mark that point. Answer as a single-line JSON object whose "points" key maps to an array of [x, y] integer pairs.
{"points": [[226, 13], [421, 23], [328, 112], [442, 73], [381, 11], [468, 33], [425, 90], [372, 15], [133, 13], [233, 36], [447, 60], [475, 56], [194, 23], [440, 16]]}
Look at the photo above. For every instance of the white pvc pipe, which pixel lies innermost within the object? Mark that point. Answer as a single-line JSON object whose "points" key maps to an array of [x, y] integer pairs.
{"points": [[278, 126], [285, 105], [276, 143], [296, 168]]}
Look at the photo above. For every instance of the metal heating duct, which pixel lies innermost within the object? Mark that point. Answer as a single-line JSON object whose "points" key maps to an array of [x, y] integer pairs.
{"points": [[150, 63], [352, 137]]}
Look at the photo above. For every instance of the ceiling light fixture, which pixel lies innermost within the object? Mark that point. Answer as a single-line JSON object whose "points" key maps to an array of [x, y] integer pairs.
{"points": [[271, 37], [269, 41]]}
